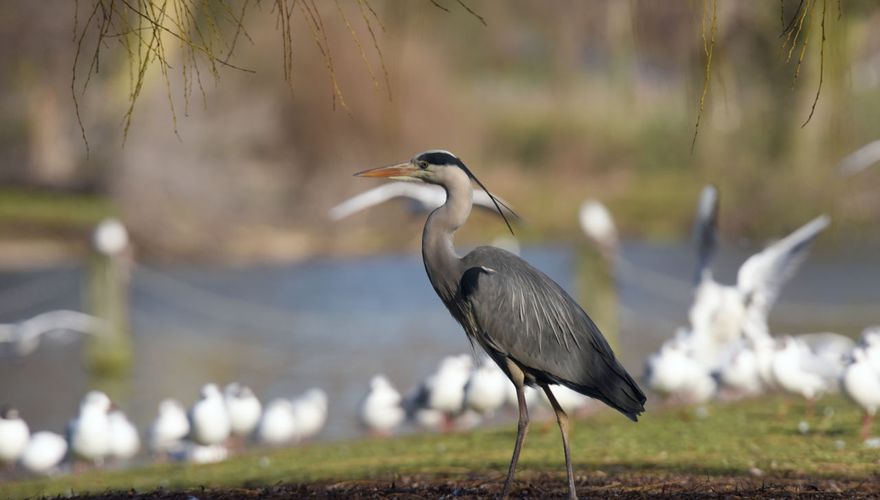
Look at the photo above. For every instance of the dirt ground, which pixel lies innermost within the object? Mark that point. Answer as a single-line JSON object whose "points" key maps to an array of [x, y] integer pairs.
{"points": [[538, 487]]}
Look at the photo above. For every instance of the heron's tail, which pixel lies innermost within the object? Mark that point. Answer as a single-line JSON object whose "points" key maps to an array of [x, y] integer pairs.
{"points": [[618, 390]]}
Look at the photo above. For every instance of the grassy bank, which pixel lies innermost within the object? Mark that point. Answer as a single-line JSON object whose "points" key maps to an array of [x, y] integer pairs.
{"points": [[741, 439]]}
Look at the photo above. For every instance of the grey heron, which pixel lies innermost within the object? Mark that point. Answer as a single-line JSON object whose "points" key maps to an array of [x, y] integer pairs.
{"points": [[524, 321]]}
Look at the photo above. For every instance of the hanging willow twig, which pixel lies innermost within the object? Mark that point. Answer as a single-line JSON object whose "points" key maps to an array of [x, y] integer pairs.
{"points": [[207, 32], [708, 49]]}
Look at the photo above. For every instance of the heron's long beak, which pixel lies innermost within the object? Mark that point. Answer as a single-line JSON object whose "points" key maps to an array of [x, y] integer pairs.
{"points": [[401, 171]]}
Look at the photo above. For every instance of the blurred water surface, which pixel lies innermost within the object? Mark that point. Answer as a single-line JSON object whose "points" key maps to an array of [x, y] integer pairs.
{"points": [[334, 323]]}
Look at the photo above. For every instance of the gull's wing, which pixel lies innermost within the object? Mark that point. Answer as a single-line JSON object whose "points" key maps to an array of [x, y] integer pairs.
{"points": [[860, 159], [762, 276], [430, 196], [426, 194], [59, 321], [705, 232], [63, 320]]}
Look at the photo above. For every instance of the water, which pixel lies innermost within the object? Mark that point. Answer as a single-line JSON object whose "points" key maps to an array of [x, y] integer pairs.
{"points": [[334, 323]]}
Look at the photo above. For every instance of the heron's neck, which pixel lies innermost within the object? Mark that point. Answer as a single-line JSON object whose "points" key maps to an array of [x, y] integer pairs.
{"points": [[438, 251]]}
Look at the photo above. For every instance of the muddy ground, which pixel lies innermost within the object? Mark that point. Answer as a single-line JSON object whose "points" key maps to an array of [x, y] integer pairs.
{"points": [[537, 487]]}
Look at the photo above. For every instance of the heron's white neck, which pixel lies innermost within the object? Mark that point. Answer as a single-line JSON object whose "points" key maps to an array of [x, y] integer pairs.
{"points": [[438, 251]]}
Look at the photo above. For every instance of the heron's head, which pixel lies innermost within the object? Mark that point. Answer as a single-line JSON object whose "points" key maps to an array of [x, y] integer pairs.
{"points": [[436, 166]]}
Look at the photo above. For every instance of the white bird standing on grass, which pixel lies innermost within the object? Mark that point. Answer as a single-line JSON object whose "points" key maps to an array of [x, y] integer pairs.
{"points": [[277, 425], [124, 439], [243, 407], [209, 422], [90, 437], [43, 453], [310, 413], [673, 373], [861, 384], [381, 409], [439, 399], [798, 370], [486, 388], [170, 427], [14, 435]]}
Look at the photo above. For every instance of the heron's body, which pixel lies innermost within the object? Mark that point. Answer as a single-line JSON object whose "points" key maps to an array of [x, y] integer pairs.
{"points": [[526, 322]]}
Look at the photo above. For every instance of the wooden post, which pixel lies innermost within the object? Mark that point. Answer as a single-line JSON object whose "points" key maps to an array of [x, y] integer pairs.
{"points": [[597, 290], [109, 354]]}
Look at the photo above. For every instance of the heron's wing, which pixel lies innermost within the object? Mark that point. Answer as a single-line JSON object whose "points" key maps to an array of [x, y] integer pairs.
{"points": [[705, 232], [762, 276], [860, 159], [520, 313], [429, 195]]}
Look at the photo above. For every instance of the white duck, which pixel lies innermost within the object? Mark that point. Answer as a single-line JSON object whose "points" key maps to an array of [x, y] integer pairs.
{"points": [[90, 437], [243, 407], [43, 453], [14, 435], [277, 425], [310, 413], [170, 427], [209, 422], [381, 409], [861, 383], [124, 439], [486, 388]]}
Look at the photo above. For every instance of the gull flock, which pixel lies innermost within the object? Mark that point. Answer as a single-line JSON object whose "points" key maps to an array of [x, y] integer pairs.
{"points": [[726, 352]]}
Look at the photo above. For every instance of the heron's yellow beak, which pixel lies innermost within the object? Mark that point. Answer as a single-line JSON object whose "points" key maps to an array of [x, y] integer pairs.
{"points": [[401, 171]]}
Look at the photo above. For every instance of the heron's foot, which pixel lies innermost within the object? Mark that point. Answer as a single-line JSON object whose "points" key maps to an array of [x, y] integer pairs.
{"points": [[505, 491]]}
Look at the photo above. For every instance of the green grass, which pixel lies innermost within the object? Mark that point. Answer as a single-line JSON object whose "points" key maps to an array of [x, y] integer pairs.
{"points": [[733, 439], [48, 208]]}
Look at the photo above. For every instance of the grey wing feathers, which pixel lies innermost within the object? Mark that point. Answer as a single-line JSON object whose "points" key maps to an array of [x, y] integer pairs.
{"points": [[522, 314]]}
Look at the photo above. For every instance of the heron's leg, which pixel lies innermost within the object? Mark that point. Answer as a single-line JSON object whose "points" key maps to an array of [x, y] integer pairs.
{"points": [[562, 419], [518, 378]]}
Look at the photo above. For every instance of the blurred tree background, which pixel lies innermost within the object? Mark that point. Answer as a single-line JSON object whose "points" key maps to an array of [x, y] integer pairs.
{"points": [[548, 102]]}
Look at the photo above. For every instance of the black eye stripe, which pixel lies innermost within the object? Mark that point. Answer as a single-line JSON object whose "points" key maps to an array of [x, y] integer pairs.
{"points": [[438, 158]]}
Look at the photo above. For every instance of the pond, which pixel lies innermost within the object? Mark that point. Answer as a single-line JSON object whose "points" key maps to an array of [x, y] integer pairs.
{"points": [[334, 323]]}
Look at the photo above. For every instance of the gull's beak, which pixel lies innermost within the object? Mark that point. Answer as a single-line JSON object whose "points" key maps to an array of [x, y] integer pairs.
{"points": [[401, 171]]}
